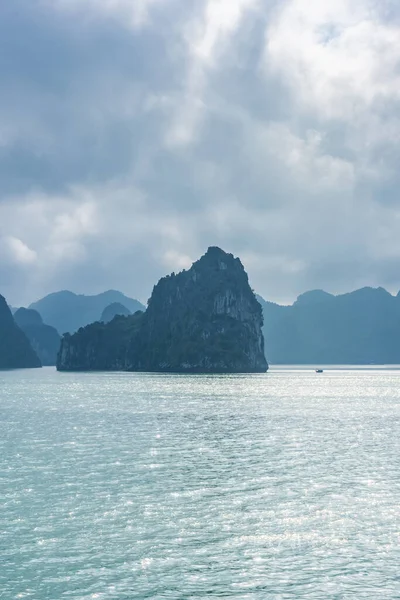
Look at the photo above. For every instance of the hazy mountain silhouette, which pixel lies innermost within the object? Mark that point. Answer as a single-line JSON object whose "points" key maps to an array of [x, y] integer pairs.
{"points": [[67, 312], [112, 310], [44, 339], [361, 327]]}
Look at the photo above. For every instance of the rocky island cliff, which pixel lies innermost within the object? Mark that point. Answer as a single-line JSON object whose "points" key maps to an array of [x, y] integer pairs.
{"points": [[15, 349], [204, 320]]}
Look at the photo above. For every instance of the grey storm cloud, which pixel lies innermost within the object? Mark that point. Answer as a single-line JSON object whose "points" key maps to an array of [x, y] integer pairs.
{"points": [[135, 134]]}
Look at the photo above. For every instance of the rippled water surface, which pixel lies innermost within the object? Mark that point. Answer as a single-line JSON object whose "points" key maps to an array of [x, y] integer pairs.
{"points": [[136, 486]]}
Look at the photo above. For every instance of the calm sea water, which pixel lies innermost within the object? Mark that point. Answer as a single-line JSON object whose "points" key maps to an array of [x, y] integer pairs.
{"points": [[131, 486]]}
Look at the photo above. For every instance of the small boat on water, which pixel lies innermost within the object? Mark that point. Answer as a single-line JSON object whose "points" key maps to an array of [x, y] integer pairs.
{"points": [[319, 370]]}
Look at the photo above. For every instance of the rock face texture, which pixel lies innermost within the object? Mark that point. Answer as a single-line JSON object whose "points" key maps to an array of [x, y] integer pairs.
{"points": [[101, 346], [113, 310], [15, 349], [204, 320], [44, 339]]}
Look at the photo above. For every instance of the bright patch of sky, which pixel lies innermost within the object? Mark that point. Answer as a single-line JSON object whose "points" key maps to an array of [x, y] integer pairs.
{"points": [[135, 134]]}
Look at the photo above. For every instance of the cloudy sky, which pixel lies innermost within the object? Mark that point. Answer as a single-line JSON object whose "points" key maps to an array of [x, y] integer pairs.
{"points": [[135, 133]]}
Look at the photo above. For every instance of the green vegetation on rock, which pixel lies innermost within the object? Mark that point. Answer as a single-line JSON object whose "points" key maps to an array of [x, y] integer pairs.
{"points": [[206, 319], [99, 346]]}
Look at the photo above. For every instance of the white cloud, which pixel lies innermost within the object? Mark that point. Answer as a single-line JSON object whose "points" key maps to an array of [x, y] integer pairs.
{"points": [[54, 226], [220, 19], [16, 251], [302, 158], [206, 40], [175, 260], [339, 57], [269, 128]]}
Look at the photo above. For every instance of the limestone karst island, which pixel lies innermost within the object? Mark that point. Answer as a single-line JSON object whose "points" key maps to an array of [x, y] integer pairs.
{"points": [[204, 320], [207, 320]]}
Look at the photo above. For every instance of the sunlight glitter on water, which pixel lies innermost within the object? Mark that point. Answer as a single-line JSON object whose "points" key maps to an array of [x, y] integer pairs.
{"points": [[132, 486]]}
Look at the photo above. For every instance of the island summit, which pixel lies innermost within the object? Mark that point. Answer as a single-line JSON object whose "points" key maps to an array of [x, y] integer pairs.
{"points": [[204, 320]]}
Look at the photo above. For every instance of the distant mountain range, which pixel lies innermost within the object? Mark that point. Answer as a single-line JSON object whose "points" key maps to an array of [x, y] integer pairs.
{"points": [[113, 310], [44, 339], [67, 312], [29, 337], [361, 327]]}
